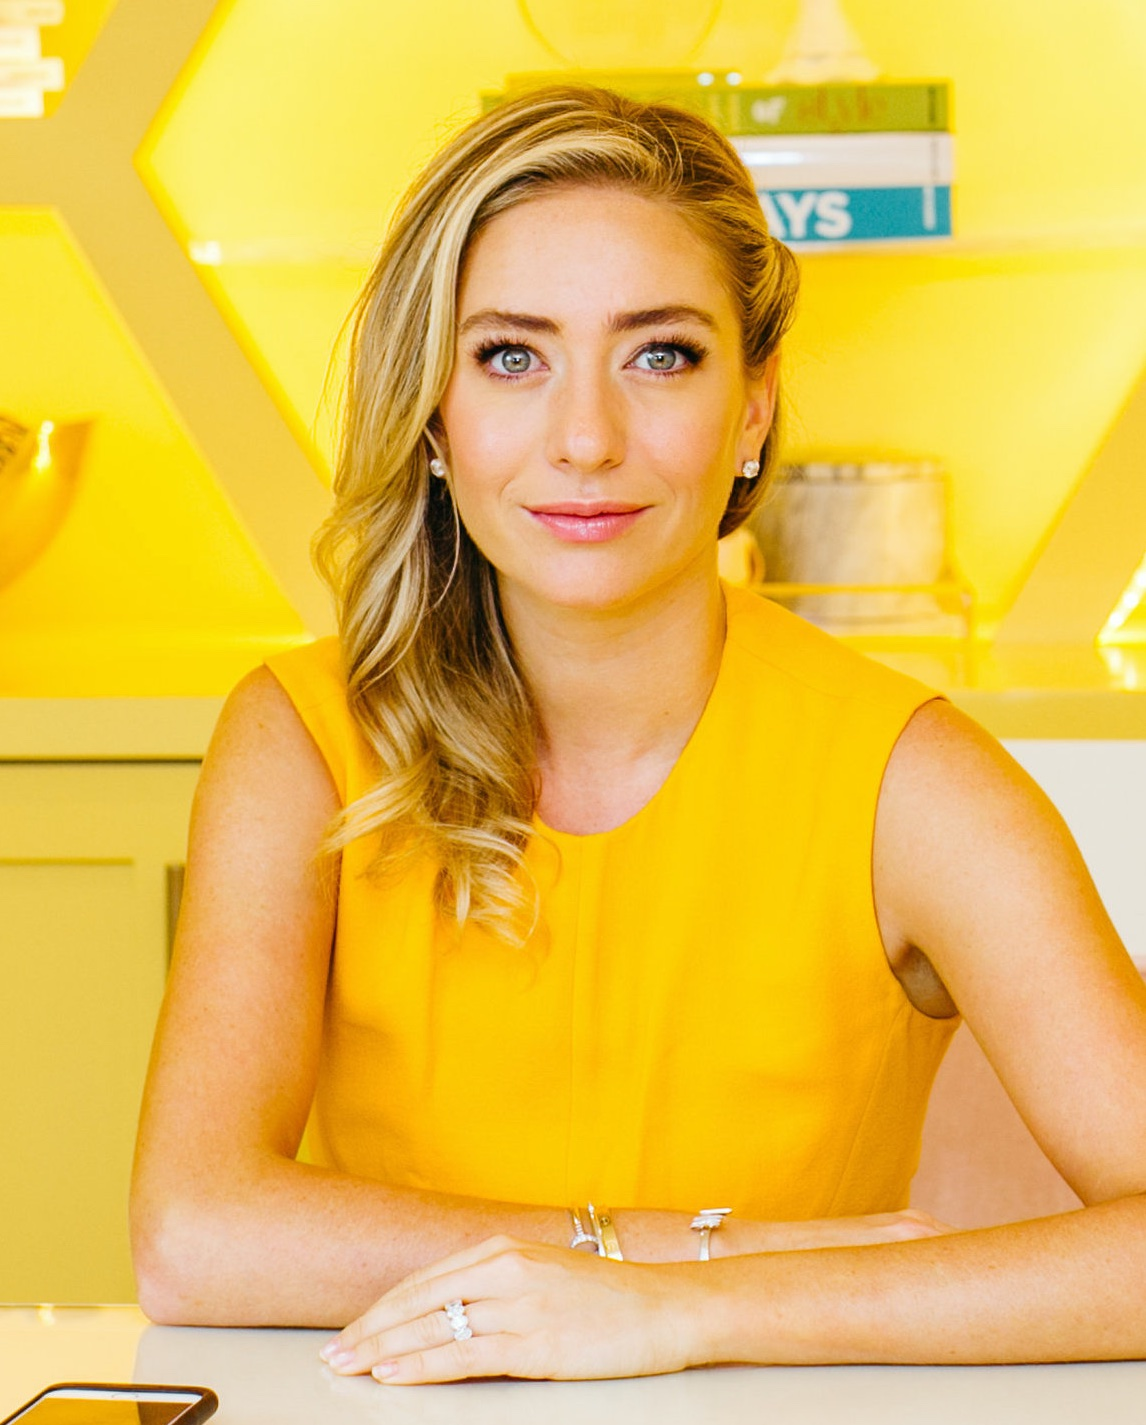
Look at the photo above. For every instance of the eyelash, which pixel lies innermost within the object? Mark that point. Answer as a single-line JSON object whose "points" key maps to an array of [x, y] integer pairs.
{"points": [[692, 351]]}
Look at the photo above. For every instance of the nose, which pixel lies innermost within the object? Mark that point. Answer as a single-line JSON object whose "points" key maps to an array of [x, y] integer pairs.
{"points": [[586, 432]]}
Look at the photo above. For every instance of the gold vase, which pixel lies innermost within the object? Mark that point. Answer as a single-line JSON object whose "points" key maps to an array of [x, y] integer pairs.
{"points": [[39, 471]]}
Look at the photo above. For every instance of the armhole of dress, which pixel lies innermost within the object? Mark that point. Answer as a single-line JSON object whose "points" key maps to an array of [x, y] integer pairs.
{"points": [[318, 729], [912, 1006]]}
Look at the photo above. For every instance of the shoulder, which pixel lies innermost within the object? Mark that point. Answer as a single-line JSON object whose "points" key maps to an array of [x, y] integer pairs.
{"points": [[775, 644], [974, 867], [262, 751], [947, 773], [311, 673], [968, 847], [312, 679]]}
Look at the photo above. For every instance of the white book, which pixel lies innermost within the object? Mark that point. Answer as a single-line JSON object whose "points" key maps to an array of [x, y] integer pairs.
{"points": [[19, 43], [26, 103], [31, 12], [791, 161], [33, 74]]}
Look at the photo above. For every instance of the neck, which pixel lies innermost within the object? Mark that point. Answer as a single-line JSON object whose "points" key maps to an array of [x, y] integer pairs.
{"points": [[617, 692]]}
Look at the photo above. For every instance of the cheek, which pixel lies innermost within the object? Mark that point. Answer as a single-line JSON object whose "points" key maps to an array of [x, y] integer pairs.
{"points": [[695, 448], [484, 440]]}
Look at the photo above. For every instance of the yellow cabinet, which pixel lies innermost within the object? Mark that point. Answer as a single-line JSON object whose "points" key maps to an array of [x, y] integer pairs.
{"points": [[84, 909]]}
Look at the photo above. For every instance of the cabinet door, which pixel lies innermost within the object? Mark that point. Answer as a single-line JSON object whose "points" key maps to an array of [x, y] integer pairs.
{"points": [[84, 909]]}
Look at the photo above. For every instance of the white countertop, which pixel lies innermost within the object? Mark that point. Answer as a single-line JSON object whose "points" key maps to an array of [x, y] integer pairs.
{"points": [[276, 1378]]}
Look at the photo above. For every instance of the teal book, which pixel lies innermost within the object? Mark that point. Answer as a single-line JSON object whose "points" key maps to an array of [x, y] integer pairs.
{"points": [[818, 219], [827, 190]]}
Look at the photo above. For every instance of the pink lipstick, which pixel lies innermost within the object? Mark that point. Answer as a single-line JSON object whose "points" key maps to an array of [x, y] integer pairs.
{"points": [[591, 522]]}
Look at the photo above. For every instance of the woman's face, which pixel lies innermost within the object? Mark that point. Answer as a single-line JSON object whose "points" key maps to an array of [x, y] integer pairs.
{"points": [[598, 410]]}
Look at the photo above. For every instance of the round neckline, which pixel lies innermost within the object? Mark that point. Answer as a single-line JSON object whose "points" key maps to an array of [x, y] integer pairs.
{"points": [[687, 753]]}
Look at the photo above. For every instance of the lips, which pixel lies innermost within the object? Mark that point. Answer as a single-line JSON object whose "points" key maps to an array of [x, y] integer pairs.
{"points": [[585, 509], [590, 522]]}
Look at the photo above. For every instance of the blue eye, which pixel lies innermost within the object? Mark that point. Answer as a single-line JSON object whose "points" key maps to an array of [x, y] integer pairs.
{"points": [[668, 357], [505, 359]]}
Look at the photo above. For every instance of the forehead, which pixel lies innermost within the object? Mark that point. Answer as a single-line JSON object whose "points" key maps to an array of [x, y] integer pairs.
{"points": [[591, 248]]}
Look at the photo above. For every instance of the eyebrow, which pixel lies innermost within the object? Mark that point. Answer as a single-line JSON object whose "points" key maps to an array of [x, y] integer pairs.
{"points": [[622, 322]]}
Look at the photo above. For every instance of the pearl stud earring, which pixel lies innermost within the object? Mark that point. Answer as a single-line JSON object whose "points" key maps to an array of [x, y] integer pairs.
{"points": [[750, 469], [438, 468]]}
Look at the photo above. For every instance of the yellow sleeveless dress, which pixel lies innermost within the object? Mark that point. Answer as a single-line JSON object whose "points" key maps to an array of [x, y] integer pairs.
{"points": [[705, 1013]]}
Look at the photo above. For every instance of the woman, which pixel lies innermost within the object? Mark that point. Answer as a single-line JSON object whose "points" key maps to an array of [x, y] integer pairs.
{"points": [[650, 895]]}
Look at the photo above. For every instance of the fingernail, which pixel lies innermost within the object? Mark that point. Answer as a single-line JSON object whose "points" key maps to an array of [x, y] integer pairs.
{"points": [[329, 1349], [339, 1359], [384, 1369]]}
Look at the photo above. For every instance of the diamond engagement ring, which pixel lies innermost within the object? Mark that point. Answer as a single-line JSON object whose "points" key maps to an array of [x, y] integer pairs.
{"points": [[459, 1321]]}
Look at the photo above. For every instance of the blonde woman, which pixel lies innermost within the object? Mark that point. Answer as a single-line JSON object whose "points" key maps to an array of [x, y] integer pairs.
{"points": [[571, 899]]}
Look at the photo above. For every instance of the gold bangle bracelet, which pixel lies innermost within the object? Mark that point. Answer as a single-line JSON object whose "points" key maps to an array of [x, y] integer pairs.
{"points": [[605, 1232]]}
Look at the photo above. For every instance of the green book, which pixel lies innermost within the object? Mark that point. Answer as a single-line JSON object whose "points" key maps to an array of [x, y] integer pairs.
{"points": [[921, 106], [912, 106]]}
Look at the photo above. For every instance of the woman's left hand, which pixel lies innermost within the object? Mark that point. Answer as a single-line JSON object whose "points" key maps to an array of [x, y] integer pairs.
{"points": [[535, 1310]]}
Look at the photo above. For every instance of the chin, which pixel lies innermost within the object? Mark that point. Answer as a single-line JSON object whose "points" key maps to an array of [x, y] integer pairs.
{"points": [[599, 587]]}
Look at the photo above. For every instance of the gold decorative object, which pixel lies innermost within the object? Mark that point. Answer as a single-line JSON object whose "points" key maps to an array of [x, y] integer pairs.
{"points": [[39, 469], [639, 34]]}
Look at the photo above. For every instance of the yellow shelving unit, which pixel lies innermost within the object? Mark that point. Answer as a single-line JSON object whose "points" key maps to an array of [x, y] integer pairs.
{"points": [[180, 241]]}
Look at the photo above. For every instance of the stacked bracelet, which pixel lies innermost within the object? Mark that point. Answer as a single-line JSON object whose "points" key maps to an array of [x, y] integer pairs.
{"points": [[580, 1237], [596, 1227], [606, 1234], [593, 1227], [706, 1221]]}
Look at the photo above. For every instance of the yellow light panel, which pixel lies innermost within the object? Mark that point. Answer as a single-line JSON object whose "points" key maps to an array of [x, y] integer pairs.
{"points": [[1127, 621], [298, 126], [151, 585]]}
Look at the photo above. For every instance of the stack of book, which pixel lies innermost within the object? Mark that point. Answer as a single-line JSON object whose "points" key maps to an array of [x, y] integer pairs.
{"points": [[834, 164], [25, 76]]}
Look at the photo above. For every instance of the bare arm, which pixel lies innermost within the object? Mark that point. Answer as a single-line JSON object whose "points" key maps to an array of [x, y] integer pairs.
{"points": [[975, 868], [227, 1227]]}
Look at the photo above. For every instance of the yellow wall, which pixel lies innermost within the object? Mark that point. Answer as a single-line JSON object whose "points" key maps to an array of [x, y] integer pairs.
{"points": [[1007, 357], [72, 40], [150, 566], [287, 142]]}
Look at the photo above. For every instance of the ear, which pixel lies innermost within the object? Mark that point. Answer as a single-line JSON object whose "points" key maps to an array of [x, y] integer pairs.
{"points": [[760, 408], [435, 437]]}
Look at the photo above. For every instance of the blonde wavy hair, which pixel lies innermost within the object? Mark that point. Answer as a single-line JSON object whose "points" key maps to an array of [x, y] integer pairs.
{"points": [[433, 683]]}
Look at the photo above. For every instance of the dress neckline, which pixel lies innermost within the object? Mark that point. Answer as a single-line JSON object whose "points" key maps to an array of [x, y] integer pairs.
{"points": [[688, 753]]}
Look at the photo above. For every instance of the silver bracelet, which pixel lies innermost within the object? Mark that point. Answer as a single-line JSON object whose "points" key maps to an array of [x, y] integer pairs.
{"points": [[706, 1221], [580, 1237]]}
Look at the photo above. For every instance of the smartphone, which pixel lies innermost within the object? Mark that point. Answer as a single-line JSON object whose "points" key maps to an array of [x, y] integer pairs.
{"points": [[80, 1403]]}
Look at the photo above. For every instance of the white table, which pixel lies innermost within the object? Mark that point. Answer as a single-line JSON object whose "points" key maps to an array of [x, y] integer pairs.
{"points": [[276, 1378]]}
